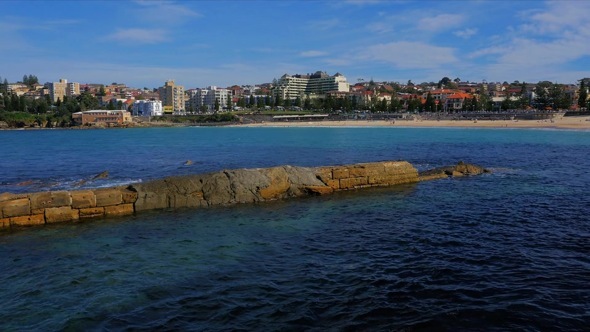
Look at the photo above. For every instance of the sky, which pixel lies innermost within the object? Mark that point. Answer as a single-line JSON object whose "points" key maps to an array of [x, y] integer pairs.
{"points": [[222, 43]]}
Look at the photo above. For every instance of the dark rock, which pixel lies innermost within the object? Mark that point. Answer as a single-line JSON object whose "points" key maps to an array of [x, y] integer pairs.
{"points": [[461, 169], [102, 175]]}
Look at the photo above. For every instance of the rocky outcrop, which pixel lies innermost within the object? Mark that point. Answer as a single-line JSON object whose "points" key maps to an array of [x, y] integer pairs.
{"points": [[218, 188], [230, 187], [461, 169]]}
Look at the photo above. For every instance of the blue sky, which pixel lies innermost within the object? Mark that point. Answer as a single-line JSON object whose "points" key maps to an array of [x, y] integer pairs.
{"points": [[201, 43]]}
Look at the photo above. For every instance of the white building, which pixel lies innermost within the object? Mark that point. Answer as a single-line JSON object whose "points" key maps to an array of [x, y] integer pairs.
{"points": [[293, 86], [204, 99], [147, 108]]}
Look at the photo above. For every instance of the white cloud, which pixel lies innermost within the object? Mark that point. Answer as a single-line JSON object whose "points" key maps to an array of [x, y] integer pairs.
{"points": [[363, 2], [416, 21], [465, 33], [165, 12], [324, 24], [558, 17], [312, 53], [380, 27], [142, 36], [410, 55], [440, 22], [494, 50], [543, 46]]}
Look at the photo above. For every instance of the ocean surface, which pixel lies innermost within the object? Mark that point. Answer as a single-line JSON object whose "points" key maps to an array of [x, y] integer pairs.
{"points": [[508, 250]]}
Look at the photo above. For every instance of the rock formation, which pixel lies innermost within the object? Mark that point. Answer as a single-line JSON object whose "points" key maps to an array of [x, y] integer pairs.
{"points": [[461, 169], [218, 188]]}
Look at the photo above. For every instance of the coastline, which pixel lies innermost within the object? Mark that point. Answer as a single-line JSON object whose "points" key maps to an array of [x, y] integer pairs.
{"points": [[578, 122], [570, 123]]}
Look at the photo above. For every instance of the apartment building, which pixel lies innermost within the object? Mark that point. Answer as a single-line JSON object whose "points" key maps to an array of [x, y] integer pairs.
{"points": [[204, 99], [147, 108], [172, 95], [58, 90], [293, 86]]}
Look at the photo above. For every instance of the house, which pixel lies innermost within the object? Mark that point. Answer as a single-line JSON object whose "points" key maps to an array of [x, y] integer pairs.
{"points": [[455, 101]]}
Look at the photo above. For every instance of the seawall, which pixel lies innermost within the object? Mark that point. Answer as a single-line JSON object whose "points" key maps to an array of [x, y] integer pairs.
{"points": [[219, 188]]}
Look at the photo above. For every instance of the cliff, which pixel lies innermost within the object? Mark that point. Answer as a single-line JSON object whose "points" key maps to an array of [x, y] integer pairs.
{"points": [[219, 188]]}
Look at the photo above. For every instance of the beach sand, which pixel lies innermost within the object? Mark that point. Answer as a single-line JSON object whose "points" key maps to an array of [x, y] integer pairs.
{"points": [[581, 122]]}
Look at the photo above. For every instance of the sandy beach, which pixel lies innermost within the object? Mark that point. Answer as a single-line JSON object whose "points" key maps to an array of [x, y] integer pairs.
{"points": [[581, 123]]}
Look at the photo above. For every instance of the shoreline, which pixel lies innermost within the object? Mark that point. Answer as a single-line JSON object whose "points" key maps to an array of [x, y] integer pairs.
{"points": [[579, 123], [569, 123]]}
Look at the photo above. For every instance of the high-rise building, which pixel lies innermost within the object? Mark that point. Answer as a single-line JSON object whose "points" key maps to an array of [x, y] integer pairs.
{"points": [[172, 95], [293, 86], [58, 90]]}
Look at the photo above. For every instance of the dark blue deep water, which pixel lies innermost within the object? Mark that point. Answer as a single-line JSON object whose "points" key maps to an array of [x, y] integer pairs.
{"points": [[503, 251]]}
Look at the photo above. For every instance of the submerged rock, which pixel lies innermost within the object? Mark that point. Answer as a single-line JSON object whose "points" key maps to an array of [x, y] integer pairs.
{"points": [[102, 175], [461, 169]]}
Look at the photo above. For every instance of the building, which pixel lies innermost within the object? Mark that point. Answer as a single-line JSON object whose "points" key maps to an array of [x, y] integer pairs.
{"points": [[58, 90], [203, 100], [293, 86], [102, 117], [147, 108], [172, 95]]}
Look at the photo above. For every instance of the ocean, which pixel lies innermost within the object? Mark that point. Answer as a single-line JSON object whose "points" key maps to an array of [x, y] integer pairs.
{"points": [[502, 251]]}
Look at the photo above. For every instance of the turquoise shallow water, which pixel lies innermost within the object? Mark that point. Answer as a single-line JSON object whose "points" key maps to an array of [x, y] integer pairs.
{"points": [[508, 250]]}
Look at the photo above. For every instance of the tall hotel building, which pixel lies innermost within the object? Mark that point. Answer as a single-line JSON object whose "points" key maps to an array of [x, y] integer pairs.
{"points": [[172, 95], [293, 86]]}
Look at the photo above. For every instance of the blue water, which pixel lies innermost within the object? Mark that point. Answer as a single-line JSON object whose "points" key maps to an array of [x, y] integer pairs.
{"points": [[507, 250]]}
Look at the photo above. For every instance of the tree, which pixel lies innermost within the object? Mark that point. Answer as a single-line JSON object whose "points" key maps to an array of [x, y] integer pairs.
{"points": [[287, 101], [101, 91], [443, 82], [30, 80], [542, 99], [278, 100], [217, 105], [4, 87], [346, 104], [583, 95], [241, 102], [506, 103], [307, 103], [87, 101], [229, 102], [111, 105], [430, 105], [260, 102]]}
